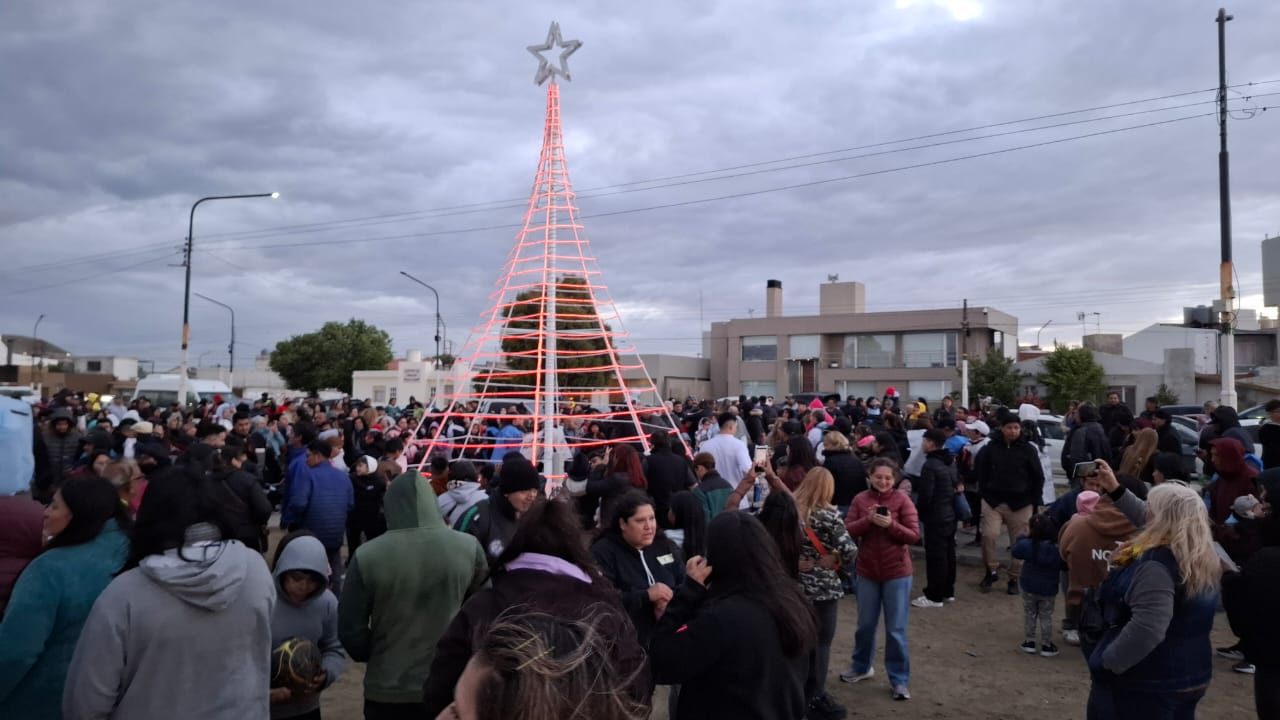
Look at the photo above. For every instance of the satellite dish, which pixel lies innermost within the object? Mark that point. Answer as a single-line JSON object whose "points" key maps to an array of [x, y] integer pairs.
{"points": [[833, 278]]}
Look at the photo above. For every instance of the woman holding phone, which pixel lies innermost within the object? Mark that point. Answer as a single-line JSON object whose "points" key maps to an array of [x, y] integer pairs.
{"points": [[885, 523]]}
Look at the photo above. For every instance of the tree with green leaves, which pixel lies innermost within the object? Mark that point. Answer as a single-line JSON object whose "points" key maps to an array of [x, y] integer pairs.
{"points": [[994, 377], [1072, 374], [576, 313], [1165, 396], [326, 358]]}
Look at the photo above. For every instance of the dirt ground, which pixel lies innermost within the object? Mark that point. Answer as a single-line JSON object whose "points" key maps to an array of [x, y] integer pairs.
{"points": [[965, 663]]}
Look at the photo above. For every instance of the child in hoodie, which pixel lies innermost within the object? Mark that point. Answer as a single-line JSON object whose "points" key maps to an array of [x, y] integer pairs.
{"points": [[1039, 582], [305, 609], [1086, 543]]}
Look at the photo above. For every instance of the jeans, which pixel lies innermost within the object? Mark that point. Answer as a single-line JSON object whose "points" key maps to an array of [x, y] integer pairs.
{"points": [[392, 711], [1070, 618], [894, 596], [1015, 523], [940, 561], [335, 570], [816, 684], [1111, 702], [1037, 610], [1266, 692]]}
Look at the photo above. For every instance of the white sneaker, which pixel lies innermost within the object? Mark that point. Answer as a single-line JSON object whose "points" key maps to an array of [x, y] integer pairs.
{"points": [[924, 602], [851, 676], [1071, 637], [951, 599]]}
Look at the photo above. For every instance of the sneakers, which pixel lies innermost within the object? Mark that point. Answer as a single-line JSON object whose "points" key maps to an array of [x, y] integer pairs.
{"points": [[924, 602], [951, 599], [1048, 650], [1071, 637], [824, 708], [1231, 653], [1013, 587], [900, 692], [1029, 647], [989, 582], [1243, 667], [853, 676]]}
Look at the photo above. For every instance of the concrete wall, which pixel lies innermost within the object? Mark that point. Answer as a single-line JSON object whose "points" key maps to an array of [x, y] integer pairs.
{"points": [[674, 376], [1150, 343], [120, 368], [1180, 374]]}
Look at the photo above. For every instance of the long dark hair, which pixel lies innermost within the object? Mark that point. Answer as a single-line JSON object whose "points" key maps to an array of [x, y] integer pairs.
{"points": [[551, 527], [687, 511], [800, 453], [745, 562], [781, 519], [888, 447], [92, 501], [176, 498], [626, 461], [623, 508]]}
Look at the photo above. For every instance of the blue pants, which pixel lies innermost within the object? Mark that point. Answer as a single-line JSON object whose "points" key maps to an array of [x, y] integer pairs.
{"points": [[1113, 702], [894, 597]]}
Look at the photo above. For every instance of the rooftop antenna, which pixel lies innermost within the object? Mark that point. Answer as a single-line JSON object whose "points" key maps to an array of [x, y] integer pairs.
{"points": [[833, 278], [751, 312]]}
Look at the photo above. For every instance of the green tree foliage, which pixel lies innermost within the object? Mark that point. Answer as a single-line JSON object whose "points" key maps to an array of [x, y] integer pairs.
{"points": [[1165, 396], [994, 377], [573, 299], [327, 357], [1071, 374]]}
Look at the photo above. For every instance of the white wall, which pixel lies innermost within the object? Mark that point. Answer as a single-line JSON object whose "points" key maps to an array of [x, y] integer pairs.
{"points": [[1150, 343], [121, 368], [417, 379]]}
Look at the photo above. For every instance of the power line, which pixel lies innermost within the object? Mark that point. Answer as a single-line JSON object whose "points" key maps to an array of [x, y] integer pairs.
{"points": [[113, 271]]}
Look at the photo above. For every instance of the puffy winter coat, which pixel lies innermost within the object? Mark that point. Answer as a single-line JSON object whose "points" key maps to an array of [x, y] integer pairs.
{"points": [[882, 552], [936, 489], [850, 476]]}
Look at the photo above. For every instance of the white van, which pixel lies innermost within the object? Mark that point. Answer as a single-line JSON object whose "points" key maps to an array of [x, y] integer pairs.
{"points": [[162, 390]]}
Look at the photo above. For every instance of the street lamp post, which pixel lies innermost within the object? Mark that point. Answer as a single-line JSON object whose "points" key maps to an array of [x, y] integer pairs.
{"points": [[439, 322], [231, 349], [35, 337], [186, 291]]}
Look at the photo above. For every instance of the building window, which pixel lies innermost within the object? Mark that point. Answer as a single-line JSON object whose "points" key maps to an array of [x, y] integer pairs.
{"points": [[849, 389], [93, 366], [931, 390], [929, 350], [805, 347], [759, 348], [868, 351], [760, 388], [379, 393]]}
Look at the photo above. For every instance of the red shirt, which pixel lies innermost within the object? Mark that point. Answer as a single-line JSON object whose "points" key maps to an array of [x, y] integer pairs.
{"points": [[882, 552]]}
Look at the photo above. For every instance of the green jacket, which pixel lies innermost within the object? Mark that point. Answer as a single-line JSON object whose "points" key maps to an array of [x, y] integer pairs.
{"points": [[402, 590]]}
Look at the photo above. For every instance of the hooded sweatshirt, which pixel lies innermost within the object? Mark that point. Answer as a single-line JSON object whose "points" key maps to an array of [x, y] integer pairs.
{"points": [[1235, 478], [316, 619], [403, 588], [457, 500], [1086, 543], [185, 634]]}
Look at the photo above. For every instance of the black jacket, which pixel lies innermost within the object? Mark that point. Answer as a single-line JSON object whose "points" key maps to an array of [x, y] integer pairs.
{"points": [[246, 504], [850, 476], [1169, 441], [1249, 598], [667, 473], [542, 592], [494, 523], [1009, 474], [603, 489], [726, 655], [1084, 443], [936, 489], [624, 566], [1109, 415]]}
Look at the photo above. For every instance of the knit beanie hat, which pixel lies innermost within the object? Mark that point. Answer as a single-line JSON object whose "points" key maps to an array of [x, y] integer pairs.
{"points": [[517, 475], [1086, 502]]}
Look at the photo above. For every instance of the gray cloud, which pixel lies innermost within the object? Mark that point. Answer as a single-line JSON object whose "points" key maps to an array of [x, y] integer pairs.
{"points": [[126, 114]]}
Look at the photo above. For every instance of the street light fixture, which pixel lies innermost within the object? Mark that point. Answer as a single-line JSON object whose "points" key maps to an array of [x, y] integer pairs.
{"points": [[231, 349], [186, 291], [439, 322]]}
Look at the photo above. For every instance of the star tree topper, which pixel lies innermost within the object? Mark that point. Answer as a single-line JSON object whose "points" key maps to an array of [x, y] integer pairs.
{"points": [[546, 69]]}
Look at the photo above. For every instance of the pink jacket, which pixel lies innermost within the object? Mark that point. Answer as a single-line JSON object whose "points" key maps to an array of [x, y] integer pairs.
{"points": [[882, 552]]}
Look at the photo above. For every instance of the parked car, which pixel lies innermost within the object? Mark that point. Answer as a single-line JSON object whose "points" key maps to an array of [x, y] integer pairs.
{"points": [[1055, 436]]}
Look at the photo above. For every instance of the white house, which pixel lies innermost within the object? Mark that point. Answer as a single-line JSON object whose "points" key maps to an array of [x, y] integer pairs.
{"points": [[120, 368], [1150, 343], [1134, 379], [22, 350], [411, 377]]}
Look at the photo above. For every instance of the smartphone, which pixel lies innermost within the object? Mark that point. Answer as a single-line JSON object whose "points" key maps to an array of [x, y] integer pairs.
{"points": [[882, 510], [1084, 469], [762, 455]]}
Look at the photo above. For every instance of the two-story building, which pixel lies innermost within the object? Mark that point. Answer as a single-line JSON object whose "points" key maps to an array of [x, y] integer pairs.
{"points": [[847, 350]]}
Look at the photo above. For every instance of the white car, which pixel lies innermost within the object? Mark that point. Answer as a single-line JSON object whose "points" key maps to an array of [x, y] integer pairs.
{"points": [[1055, 436]]}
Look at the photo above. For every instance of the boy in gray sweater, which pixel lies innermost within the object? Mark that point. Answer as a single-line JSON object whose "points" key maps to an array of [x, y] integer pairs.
{"points": [[305, 609]]}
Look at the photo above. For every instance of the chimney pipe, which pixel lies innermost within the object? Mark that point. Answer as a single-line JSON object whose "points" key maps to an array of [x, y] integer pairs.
{"points": [[773, 298]]}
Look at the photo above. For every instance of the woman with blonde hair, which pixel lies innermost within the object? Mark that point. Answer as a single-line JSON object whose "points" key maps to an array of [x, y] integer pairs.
{"points": [[1138, 458], [825, 548], [1155, 661]]}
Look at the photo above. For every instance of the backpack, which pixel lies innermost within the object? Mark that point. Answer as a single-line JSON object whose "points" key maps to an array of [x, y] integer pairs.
{"points": [[17, 457]]}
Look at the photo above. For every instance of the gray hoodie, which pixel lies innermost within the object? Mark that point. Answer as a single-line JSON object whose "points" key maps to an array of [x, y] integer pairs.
{"points": [[316, 619], [184, 635]]}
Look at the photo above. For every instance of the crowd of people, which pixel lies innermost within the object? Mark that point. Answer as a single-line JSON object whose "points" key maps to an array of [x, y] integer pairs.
{"points": [[135, 580]]}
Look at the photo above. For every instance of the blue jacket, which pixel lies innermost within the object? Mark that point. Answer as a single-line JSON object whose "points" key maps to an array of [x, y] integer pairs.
{"points": [[296, 466], [43, 621], [1041, 565], [320, 501], [1064, 508]]}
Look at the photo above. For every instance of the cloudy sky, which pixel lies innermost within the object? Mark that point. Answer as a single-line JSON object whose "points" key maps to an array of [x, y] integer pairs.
{"points": [[407, 139]]}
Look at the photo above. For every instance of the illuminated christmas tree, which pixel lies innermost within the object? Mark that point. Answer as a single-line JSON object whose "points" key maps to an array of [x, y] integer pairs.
{"points": [[551, 348]]}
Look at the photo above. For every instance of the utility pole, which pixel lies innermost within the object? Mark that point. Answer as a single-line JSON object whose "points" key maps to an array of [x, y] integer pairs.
{"points": [[1227, 270], [964, 356]]}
